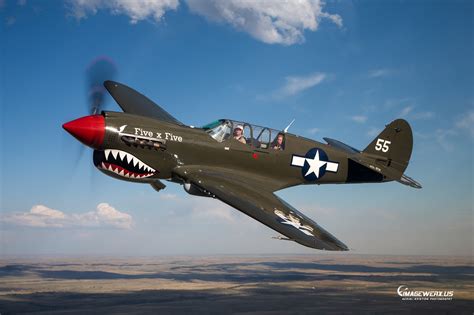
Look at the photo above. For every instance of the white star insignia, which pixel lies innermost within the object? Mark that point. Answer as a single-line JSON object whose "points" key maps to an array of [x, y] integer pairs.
{"points": [[315, 165]]}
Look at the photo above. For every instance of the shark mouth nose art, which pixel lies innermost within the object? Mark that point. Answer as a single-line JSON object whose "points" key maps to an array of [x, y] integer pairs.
{"points": [[122, 163]]}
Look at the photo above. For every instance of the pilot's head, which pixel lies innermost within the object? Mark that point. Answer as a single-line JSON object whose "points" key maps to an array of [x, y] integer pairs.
{"points": [[280, 139], [238, 131]]}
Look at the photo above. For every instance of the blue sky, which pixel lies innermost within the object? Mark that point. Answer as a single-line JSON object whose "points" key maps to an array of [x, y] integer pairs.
{"points": [[341, 69]]}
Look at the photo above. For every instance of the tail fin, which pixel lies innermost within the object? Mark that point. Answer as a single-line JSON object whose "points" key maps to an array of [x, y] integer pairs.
{"points": [[393, 147]]}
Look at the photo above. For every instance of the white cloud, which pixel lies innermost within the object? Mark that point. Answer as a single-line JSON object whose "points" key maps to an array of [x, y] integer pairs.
{"points": [[297, 84], [422, 115], [42, 216], [361, 119], [218, 212], [165, 196], [108, 215], [372, 132], [395, 103], [209, 209], [442, 137], [136, 10], [466, 123], [406, 110], [272, 22], [335, 18], [314, 131], [202, 209], [378, 73]]}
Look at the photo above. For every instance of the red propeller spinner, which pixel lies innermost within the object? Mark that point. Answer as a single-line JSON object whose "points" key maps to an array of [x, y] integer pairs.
{"points": [[89, 130]]}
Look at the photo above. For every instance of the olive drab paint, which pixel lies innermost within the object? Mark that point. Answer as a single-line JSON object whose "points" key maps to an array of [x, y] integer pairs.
{"points": [[145, 144]]}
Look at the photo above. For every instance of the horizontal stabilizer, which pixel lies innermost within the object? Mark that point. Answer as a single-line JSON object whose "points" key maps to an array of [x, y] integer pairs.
{"points": [[341, 146], [405, 180]]}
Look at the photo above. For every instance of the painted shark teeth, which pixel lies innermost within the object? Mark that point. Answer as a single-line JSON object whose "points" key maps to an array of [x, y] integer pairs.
{"points": [[124, 173], [125, 158], [128, 158], [122, 155]]}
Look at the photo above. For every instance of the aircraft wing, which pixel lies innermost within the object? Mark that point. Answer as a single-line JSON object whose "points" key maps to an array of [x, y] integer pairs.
{"points": [[250, 195], [135, 103]]}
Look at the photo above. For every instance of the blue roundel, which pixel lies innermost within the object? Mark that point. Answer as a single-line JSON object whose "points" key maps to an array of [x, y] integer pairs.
{"points": [[315, 168]]}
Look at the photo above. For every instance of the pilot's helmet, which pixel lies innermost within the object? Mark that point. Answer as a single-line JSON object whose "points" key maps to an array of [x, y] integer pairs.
{"points": [[240, 127]]}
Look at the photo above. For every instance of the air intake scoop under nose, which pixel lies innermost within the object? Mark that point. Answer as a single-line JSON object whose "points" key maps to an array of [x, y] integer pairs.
{"points": [[89, 130]]}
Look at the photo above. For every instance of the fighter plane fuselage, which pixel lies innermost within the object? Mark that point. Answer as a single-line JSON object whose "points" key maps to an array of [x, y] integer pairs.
{"points": [[239, 163], [164, 146]]}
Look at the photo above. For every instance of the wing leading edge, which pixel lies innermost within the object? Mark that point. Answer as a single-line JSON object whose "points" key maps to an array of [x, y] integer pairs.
{"points": [[248, 194]]}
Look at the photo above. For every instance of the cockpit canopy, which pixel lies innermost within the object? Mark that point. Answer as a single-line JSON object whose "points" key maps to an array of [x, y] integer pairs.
{"points": [[253, 135]]}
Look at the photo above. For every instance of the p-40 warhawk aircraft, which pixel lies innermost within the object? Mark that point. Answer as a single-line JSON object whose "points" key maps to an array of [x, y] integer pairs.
{"points": [[236, 162]]}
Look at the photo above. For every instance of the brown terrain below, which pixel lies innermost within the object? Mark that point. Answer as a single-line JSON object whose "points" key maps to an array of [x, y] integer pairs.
{"points": [[234, 284]]}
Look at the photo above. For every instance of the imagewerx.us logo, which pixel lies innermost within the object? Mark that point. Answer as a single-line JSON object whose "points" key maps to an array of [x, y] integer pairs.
{"points": [[408, 294]]}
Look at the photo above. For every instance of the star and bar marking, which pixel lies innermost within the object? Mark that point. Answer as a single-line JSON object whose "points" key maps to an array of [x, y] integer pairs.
{"points": [[314, 164]]}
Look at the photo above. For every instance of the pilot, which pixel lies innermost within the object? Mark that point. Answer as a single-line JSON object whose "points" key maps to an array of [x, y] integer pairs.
{"points": [[238, 134], [279, 142]]}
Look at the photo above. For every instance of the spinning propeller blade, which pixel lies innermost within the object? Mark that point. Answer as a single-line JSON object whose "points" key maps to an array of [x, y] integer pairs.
{"points": [[100, 70]]}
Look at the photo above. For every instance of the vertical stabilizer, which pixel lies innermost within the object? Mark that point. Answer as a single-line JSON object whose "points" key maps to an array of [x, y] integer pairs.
{"points": [[393, 146]]}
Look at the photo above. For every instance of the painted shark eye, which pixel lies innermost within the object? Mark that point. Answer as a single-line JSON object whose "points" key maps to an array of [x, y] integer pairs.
{"points": [[144, 143]]}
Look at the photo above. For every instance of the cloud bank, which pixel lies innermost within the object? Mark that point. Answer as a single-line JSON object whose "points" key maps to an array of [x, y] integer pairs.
{"points": [[134, 9], [269, 21], [43, 217], [272, 22]]}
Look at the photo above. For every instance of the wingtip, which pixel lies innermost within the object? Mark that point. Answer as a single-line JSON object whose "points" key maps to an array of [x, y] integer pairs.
{"points": [[343, 247], [334, 245]]}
